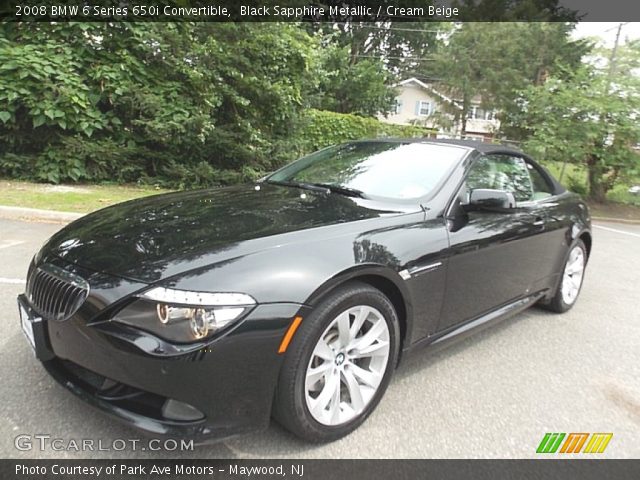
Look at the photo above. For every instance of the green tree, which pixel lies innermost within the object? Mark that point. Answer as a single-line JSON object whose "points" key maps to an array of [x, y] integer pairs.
{"points": [[261, 72], [590, 119], [361, 88], [187, 103], [495, 61], [398, 45], [360, 61], [96, 100]]}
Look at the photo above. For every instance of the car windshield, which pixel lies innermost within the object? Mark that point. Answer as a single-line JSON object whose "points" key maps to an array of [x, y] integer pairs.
{"points": [[393, 170]]}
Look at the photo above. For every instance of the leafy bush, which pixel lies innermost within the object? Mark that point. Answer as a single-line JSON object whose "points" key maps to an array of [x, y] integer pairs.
{"points": [[620, 193], [320, 129], [176, 105], [576, 185], [345, 86]]}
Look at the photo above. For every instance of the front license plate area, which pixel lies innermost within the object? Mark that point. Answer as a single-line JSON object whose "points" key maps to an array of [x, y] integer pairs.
{"points": [[33, 327], [27, 325]]}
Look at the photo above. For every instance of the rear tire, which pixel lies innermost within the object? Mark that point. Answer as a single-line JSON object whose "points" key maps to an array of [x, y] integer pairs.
{"points": [[570, 283], [339, 364]]}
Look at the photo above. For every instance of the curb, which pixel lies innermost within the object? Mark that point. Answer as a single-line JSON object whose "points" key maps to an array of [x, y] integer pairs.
{"points": [[616, 220], [35, 214]]}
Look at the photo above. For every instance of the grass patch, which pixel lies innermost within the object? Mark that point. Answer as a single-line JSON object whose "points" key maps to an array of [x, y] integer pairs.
{"points": [[620, 194], [69, 198]]}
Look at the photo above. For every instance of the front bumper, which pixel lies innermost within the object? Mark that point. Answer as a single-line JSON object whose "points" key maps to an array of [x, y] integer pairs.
{"points": [[231, 381]]}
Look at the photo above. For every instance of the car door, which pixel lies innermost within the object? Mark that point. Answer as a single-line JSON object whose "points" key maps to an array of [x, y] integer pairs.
{"points": [[555, 222], [494, 256]]}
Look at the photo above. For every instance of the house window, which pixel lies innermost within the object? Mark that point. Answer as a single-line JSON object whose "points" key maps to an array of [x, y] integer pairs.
{"points": [[477, 113], [423, 108], [397, 108]]}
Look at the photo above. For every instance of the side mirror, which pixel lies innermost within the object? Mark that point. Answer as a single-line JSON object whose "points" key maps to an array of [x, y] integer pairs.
{"points": [[487, 199]]}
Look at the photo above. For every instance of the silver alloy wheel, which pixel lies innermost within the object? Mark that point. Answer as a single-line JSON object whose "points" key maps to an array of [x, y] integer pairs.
{"points": [[572, 277], [347, 365]]}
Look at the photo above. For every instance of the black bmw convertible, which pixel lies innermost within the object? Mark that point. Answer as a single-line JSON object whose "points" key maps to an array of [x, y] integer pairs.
{"points": [[205, 313]]}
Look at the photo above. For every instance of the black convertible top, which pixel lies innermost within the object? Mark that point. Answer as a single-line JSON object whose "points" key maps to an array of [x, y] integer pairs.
{"points": [[482, 147]]}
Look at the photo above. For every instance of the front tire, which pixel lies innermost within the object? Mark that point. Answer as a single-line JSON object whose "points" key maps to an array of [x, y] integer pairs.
{"points": [[339, 364], [570, 284]]}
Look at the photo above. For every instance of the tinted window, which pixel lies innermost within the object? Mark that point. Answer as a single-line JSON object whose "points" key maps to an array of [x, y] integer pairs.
{"points": [[511, 174], [541, 187], [502, 172], [379, 169]]}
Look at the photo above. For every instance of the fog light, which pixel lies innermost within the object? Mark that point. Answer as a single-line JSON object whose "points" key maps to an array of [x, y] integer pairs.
{"points": [[176, 410]]}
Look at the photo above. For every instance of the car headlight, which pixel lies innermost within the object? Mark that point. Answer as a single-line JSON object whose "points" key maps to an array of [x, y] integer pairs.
{"points": [[184, 316]]}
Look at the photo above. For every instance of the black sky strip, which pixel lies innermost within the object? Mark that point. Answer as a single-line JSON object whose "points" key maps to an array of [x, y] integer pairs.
{"points": [[582, 469], [325, 10]]}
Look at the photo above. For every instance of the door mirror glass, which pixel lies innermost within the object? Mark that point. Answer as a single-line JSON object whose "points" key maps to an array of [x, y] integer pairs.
{"points": [[488, 199]]}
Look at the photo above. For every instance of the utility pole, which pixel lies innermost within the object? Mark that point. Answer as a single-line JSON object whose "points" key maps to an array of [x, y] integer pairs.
{"points": [[612, 58]]}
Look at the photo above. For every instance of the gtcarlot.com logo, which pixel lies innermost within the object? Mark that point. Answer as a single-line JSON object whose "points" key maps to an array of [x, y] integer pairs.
{"points": [[574, 442], [43, 442]]}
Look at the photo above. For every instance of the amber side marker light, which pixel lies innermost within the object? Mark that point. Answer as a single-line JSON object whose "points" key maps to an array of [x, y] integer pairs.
{"points": [[289, 335]]}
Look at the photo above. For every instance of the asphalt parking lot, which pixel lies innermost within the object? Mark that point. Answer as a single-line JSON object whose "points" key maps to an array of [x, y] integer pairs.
{"points": [[494, 395]]}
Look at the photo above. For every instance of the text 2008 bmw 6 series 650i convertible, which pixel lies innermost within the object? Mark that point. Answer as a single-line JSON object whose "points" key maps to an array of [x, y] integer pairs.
{"points": [[205, 313]]}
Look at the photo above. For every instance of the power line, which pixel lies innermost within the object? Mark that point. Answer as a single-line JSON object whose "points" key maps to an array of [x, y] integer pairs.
{"points": [[402, 29], [376, 27], [617, 26], [383, 57]]}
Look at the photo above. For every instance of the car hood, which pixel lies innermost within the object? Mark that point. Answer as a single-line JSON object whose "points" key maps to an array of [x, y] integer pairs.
{"points": [[157, 237]]}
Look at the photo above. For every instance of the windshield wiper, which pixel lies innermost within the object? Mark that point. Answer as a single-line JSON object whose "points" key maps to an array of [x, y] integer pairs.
{"points": [[304, 185], [348, 191], [321, 187]]}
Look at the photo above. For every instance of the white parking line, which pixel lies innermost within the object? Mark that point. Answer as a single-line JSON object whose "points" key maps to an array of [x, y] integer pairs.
{"points": [[10, 243], [12, 281], [617, 231]]}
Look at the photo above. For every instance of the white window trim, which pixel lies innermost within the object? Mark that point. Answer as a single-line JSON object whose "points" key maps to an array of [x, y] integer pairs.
{"points": [[430, 108], [397, 107], [473, 114]]}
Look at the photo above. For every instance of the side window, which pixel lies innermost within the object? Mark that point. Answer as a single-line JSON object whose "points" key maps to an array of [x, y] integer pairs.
{"points": [[541, 187], [502, 172]]}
